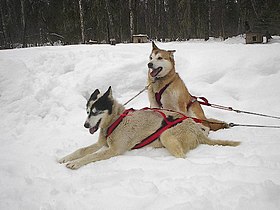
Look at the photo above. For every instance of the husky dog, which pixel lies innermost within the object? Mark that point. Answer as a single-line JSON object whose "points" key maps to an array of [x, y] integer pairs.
{"points": [[103, 111], [167, 90]]}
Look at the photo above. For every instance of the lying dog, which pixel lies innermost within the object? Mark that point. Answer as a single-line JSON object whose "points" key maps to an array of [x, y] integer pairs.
{"points": [[167, 90], [122, 130]]}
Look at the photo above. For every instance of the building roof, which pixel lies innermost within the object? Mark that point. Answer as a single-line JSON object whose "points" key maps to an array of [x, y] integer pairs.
{"points": [[140, 35]]}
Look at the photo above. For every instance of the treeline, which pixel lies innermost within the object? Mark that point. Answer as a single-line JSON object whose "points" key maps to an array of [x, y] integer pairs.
{"points": [[25, 22]]}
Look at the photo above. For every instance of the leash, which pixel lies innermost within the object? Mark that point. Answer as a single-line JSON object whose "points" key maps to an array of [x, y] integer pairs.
{"points": [[254, 126], [231, 125], [206, 103], [145, 88]]}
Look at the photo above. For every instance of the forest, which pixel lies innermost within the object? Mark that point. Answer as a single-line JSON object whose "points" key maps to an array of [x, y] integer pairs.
{"points": [[26, 23]]}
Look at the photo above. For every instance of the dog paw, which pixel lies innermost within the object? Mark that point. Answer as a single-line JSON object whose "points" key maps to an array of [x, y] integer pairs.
{"points": [[64, 160], [73, 165]]}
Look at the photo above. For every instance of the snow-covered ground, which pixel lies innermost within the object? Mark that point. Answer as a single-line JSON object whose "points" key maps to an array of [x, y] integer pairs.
{"points": [[43, 94]]}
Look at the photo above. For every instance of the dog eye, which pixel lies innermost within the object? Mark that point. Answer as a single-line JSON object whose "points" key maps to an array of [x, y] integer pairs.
{"points": [[151, 58], [159, 58], [96, 112]]}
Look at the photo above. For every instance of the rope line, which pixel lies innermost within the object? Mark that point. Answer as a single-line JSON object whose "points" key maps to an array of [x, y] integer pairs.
{"points": [[255, 126], [206, 103], [141, 91]]}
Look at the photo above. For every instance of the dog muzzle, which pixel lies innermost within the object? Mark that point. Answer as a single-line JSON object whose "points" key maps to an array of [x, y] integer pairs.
{"points": [[155, 72], [94, 128]]}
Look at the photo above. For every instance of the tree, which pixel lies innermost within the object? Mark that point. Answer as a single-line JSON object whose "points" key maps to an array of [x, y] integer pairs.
{"points": [[23, 23], [82, 21], [131, 24], [37, 22]]}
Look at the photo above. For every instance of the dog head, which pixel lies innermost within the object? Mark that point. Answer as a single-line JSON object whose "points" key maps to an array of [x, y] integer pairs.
{"points": [[98, 108], [161, 62]]}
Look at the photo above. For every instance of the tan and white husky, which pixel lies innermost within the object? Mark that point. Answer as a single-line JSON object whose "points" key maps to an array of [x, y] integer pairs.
{"points": [[135, 126], [167, 90]]}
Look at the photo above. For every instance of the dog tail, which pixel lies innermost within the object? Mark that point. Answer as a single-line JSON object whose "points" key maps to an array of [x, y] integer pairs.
{"points": [[209, 141]]}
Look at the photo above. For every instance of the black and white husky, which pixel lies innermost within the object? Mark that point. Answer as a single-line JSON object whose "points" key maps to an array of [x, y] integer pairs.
{"points": [[122, 130]]}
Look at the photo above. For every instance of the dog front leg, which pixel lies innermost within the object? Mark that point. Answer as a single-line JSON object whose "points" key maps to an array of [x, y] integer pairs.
{"points": [[152, 100], [100, 155], [86, 150], [81, 153]]}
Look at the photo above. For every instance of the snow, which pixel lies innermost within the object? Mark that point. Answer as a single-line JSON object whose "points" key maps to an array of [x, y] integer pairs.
{"points": [[43, 94]]}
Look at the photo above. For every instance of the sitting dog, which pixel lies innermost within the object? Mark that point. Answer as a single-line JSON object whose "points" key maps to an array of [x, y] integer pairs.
{"points": [[122, 130], [167, 90]]}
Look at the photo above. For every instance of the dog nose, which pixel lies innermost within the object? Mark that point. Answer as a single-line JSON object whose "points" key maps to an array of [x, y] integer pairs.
{"points": [[86, 125], [150, 65]]}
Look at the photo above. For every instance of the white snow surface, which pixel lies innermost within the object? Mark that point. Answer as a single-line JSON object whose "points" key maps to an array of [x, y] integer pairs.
{"points": [[43, 93]]}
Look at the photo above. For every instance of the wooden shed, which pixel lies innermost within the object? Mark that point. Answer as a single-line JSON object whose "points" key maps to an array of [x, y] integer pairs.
{"points": [[252, 38], [140, 38]]}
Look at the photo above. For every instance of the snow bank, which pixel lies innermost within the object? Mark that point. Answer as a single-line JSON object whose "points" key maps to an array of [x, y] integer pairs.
{"points": [[43, 93]]}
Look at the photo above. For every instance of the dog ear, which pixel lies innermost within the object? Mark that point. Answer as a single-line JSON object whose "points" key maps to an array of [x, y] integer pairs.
{"points": [[171, 53], [108, 92], [154, 46], [94, 95]]}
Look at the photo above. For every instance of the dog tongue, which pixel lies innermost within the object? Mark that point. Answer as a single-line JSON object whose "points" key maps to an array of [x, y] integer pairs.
{"points": [[93, 130], [155, 72]]}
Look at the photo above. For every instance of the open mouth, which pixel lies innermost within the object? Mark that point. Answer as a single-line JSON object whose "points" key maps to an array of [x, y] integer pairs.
{"points": [[155, 72], [95, 128]]}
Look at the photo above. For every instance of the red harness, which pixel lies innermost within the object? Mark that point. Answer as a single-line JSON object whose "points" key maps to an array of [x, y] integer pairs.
{"points": [[168, 124], [159, 94], [193, 98]]}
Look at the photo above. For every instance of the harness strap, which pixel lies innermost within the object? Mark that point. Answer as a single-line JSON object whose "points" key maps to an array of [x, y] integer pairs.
{"points": [[157, 134], [159, 94], [193, 99], [203, 101], [118, 121], [163, 128], [158, 111]]}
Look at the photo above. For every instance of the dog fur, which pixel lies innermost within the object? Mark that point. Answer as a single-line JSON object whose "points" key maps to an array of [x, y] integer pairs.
{"points": [[103, 110], [176, 96]]}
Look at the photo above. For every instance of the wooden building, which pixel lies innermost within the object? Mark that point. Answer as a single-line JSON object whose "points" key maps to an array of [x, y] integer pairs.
{"points": [[140, 38], [252, 38]]}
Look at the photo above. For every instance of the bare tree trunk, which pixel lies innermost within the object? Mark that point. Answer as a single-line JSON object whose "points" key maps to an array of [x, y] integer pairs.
{"points": [[111, 33], [209, 18], [159, 20], [4, 27], [189, 22], [223, 20], [198, 27], [155, 20], [131, 25], [239, 27], [23, 21], [120, 21], [82, 21], [253, 5]]}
